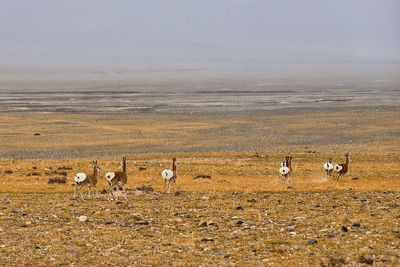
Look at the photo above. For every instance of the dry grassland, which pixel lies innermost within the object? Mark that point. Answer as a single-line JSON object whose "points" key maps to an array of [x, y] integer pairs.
{"points": [[244, 215]]}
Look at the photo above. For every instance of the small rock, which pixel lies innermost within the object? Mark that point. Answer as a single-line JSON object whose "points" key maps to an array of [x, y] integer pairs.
{"points": [[345, 229], [82, 218], [252, 201], [290, 228], [142, 222], [108, 222], [136, 216], [366, 259], [208, 239], [202, 224], [239, 222], [312, 241], [355, 178], [239, 208], [356, 225]]}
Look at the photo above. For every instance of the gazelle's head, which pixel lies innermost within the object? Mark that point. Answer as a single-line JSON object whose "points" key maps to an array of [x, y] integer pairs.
{"points": [[347, 156], [96, 166], [123, 162]]}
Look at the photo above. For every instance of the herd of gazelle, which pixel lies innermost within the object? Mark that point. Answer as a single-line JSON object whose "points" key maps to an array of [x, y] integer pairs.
{"points": [[330, 170], [118, 179]]}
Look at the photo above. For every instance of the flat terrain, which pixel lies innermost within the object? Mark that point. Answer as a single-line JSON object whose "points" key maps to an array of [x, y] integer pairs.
{"points": [[327, 228], [243, 215]]}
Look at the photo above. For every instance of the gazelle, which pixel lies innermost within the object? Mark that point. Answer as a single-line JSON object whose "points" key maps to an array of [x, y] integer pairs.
{"points": [[286, 169], [342, 168], [328, 169], [170, 176], [81, 179], [117, 180]]}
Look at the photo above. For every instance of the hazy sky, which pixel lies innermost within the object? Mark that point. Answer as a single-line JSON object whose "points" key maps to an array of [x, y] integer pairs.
{"points": [[198, 31]]}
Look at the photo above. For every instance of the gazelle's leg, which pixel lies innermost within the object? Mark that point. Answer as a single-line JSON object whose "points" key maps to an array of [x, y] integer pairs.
{"points": [[109, 190], [89, 189], [124, 190], [175, 187], [75, 186], [165, 185]]}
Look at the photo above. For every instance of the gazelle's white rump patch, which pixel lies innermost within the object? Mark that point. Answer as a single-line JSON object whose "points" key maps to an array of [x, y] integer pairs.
{"points": [[283, 170], [167, 174], [109, 176], [328, 166], [338, 168], [80, 177]]}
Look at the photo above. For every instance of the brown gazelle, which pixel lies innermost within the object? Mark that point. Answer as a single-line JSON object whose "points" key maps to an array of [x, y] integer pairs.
{"points": [[170, 176], [90, 180], [117, 180], [286, 170], [342, 168]]}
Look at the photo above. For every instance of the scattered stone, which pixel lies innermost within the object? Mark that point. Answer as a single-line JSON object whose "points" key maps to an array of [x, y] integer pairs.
{"points": [[345, 229], [366, 259], [65, 168], [82, 218], [208, 239], [25, 224], [252, 201], [145, 188], [37, 134], [355, 178], [204, 197], [34, 174], [356, 225], [290, 228], [108, 222], [61, 172], [202, 176], [57, 180], [142, 222], [142, 168], [239, 208], [239, 223], [335, 262], [136, 216], [202, 224], [10, 171], [312, 241]]}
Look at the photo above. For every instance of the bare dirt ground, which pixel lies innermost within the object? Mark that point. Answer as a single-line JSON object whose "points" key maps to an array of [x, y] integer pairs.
{"points": [[244, 215]]}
